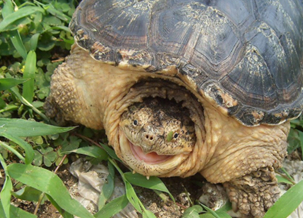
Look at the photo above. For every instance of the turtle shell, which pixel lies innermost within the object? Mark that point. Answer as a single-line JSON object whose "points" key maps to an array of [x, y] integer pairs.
{"points": [[244, 54]]}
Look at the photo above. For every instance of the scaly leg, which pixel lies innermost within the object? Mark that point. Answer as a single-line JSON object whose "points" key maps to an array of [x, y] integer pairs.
{"points": [[254, 193]]}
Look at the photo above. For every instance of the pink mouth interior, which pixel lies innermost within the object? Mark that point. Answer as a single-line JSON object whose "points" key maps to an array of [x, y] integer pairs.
{"points": [[150, 158]]}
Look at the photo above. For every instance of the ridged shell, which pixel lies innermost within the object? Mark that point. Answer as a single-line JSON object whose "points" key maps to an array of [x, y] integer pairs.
{"points": [[245, 54]]}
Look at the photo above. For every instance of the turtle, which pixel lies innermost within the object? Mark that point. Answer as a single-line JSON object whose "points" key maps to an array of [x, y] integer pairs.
{"points": [[232, 69]]}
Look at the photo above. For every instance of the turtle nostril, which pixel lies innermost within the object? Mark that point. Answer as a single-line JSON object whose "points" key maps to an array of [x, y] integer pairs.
{"points": [[149, 137]]}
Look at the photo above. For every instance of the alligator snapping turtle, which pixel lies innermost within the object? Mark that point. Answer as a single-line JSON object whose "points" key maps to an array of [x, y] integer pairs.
{"points": [[232, 68]]}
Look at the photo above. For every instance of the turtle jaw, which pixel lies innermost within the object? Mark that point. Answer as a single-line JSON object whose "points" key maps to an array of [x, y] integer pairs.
{"points": [[149, 158], [150, 164]]}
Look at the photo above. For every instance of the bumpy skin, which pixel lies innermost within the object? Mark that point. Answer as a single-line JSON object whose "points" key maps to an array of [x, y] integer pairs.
{"points": [[255, 193], [235, 65], [159, 126]]}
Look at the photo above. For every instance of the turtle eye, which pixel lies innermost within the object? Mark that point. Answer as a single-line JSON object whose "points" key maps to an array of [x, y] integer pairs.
{"points": [[135, 122], [175, 135]]}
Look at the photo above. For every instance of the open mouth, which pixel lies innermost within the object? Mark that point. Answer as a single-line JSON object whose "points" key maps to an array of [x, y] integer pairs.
{"points": [[150, 164], [149, 158]]}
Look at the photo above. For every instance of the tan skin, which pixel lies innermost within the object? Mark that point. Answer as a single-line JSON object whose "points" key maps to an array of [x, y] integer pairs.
{"points": [[225, 150]]}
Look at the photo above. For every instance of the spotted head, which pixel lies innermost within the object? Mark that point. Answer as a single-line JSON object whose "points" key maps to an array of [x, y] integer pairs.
{"points": [[157, 129]]}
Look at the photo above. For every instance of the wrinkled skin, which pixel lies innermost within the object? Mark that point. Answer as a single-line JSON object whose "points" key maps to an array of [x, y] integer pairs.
{"points": [[99, 95]]}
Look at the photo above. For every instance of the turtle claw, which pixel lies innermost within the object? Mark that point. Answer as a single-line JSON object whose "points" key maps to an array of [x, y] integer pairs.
{"points": [[253, 194]]}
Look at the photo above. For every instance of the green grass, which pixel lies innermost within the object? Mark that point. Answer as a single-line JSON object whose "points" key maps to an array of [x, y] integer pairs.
{"points": [[34, 39]]}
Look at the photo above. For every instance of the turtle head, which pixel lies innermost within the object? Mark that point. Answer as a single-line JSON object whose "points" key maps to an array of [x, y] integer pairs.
{"points": [[157, 129]]}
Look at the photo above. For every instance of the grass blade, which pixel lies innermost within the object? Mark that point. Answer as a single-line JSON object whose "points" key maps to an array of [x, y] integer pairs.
{"points": [[221, 213], [210, 211], [18, 43], [52, 10], [132, 197], [34, 41], [29, 151], [14, 151], [61, 28], [29, 194], [65, 214], [152, 183], [287, 203], [22, 12], [108, 188], [135, 201], [92, 151], [25, 102], [284, 180], [29, 73], [131, 194], [148, 214], [2, 104], [16, 212], [5, 194], [8, 83], [110, 152], [8, 8], [287, 175], [113, 207], [301, 141], [26, 128], [192, 212], [49, 183]]}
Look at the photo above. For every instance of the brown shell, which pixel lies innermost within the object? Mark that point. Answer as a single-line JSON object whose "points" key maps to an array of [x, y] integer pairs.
{"points": [[245, 54]]}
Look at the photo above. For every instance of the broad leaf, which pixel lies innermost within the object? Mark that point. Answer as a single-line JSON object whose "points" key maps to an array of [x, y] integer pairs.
{"points": [[113, 207], [49, 183], [26, 128]]}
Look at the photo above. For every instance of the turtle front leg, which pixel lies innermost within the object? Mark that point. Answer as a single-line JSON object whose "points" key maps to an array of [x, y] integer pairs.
{"points": [[254, 193]]}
